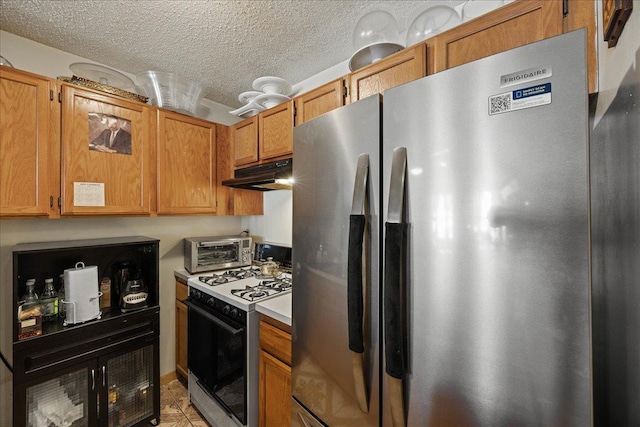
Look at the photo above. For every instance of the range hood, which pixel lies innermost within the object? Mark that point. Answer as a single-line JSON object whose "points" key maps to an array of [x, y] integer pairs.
{"points": [[269, 176]]}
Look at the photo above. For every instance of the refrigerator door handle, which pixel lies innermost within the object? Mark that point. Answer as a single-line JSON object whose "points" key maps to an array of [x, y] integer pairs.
{"points": [[394, 276], [355, 289]]}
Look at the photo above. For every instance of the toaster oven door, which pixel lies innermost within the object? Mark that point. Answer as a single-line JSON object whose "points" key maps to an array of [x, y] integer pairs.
{"points": [[218, 255]]}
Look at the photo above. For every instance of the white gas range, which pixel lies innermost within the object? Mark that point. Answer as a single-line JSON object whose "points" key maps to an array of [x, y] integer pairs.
{"points": [[242, 287], [224, 336]]}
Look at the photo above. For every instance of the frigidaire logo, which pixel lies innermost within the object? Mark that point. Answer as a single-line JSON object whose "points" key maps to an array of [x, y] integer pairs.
{"points": [[525, 76]]}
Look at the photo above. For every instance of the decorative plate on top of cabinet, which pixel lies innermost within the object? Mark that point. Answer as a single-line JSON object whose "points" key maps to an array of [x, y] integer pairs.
{"points": [[270, 84], [103, 75]]}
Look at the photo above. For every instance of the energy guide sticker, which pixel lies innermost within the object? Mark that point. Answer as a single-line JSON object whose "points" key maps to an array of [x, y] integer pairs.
{"points": [[520, 99]]}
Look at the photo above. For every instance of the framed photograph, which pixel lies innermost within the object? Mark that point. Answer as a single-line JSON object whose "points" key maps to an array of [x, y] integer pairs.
{"points": [[615, 14], [109, 133]]}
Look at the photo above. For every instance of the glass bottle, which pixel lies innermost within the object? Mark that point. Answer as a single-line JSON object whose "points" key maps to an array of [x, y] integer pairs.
{"points": [[49, 301], [30, 298], [62, 307]]}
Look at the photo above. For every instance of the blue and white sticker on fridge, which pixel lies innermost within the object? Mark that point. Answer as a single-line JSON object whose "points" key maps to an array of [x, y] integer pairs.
{"points": [[519, 99]]}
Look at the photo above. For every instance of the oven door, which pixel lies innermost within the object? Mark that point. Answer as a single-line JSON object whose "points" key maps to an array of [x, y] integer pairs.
{"points": [[216, 357]]}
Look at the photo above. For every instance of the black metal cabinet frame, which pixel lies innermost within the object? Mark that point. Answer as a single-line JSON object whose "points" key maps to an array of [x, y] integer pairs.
{"points": [[98, 355]]}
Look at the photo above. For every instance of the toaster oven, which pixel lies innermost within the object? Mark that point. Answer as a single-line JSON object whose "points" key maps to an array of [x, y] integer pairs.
{"points": [[216, 253]]}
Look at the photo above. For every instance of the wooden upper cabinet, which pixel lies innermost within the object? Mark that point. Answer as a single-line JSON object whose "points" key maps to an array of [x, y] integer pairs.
{"points": [[233, 201], [275, 127], [513, 25], [582, 14], [319, 101], [245, 142], [401, 67], [105, 183], [186, 167], [29, 145]]}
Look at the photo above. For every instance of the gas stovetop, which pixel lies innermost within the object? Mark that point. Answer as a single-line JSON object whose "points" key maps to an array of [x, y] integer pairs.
{"points": [[214, 279], [242, 287], [269, 287]]}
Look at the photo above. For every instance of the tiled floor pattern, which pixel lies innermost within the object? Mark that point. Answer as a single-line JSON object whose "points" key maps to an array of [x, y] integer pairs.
{"points": [[175, 409]]}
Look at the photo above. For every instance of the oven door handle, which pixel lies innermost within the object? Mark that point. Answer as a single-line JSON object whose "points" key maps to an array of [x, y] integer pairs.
{"points": [[212, 318]]}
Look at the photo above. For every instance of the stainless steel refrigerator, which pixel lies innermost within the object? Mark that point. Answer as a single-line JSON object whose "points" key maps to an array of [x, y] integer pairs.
{"points": [[441, 249]]}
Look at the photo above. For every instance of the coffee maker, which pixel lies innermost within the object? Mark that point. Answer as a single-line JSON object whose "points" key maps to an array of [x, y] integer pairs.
{"points": [[130, 290]]}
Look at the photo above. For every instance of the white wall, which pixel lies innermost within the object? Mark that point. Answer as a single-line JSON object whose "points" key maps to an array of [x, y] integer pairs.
{"points": [[275, 225]]}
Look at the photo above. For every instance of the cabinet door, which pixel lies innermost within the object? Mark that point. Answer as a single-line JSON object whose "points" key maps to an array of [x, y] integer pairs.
{"points": [[182, 330], [245, 142], [104, 175], [275, 392], [29, 151], [276, 131], [513, 25], [129, 387], [319, 101], [66, 397], [233, 201], [186, 164], [401, 67]]}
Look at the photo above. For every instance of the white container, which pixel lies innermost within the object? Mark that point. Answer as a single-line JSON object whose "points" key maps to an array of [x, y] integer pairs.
{"points": [[170, 91], [82, 296]]}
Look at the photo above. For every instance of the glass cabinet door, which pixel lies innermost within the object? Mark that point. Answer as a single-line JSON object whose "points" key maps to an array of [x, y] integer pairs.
{"points": [[129, 382], [67, 399]]}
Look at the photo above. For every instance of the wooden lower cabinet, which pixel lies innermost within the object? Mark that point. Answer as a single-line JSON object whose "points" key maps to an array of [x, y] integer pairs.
{"points": [[181, 330], [275, 373]]}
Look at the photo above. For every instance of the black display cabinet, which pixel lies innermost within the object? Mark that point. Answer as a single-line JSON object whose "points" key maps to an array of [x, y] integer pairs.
{"points": [[104, 372]]}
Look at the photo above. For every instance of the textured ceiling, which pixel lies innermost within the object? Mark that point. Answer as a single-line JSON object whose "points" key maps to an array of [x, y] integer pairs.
{"points": [[223, 45]]}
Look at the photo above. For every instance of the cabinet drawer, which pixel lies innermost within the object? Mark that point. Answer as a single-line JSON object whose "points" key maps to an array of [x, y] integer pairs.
{"points": [[182, 291], [275, 342]]}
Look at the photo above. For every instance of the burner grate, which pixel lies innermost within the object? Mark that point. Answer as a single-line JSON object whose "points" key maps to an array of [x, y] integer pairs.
{"points": [[264, 289], [230, 276]]}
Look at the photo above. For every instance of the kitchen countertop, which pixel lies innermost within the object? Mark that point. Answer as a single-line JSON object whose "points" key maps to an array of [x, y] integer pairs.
{"points": [[278, 308], [183, 274]]}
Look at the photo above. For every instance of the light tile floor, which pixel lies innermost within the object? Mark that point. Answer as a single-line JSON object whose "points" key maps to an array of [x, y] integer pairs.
{"points": [[175, 408]]}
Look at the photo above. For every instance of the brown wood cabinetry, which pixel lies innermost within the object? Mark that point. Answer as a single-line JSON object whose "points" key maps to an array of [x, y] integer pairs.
{"points": [[186, 167], [515, 24], [401, 67], [233, 201], [582, 14], [275, 130], [265, 137], [319, 101], [245, 142], [181, 330], [29, 145], [510, 26], [275, 373], [87, 174]]}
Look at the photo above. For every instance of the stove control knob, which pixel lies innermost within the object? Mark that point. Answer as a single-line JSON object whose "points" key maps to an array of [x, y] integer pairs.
{"points": [[234, 312], [211, 301], [226, 309]]}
